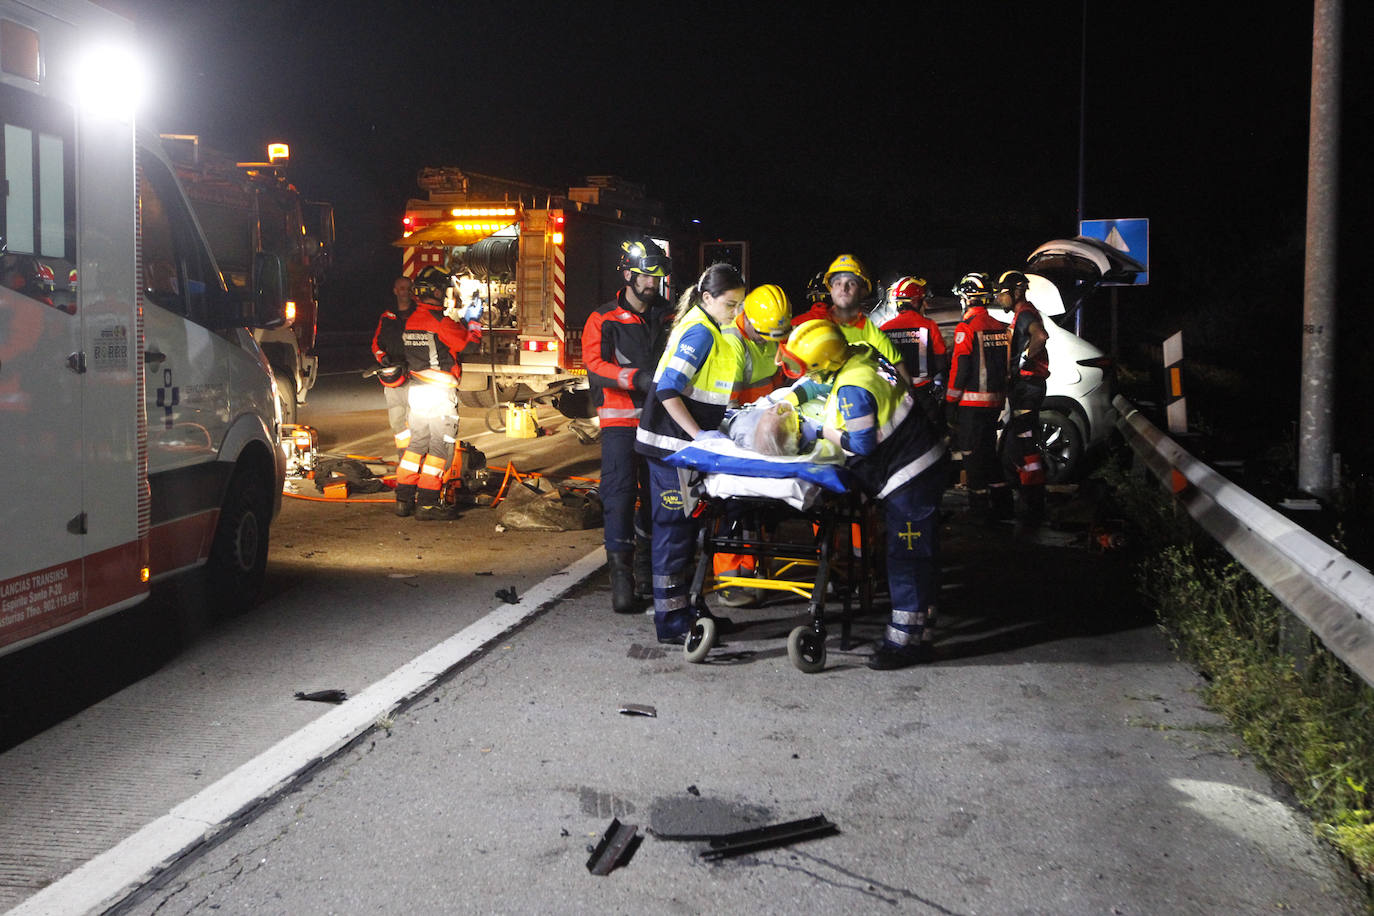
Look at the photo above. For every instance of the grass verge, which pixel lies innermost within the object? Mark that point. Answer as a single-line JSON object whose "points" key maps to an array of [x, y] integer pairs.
{"points": [[1311, 726]]}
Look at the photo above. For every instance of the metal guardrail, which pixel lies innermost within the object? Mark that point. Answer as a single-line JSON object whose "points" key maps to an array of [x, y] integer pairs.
{"points": [[1326, 590]]}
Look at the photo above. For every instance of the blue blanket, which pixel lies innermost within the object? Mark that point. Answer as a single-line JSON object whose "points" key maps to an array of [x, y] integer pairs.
{"points": [[721, 456]]}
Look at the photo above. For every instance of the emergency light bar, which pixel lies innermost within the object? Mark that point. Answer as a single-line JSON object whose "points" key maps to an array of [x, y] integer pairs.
{"points": [[541, 346], [460, 212]]}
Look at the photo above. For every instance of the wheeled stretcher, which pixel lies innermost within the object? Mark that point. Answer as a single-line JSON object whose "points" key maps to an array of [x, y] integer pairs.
{"points": [[807, 508]]}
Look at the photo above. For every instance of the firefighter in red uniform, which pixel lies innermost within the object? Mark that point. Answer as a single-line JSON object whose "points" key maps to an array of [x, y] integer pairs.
{"points": [[921, 344], [1029, 368], [432, 342], [621, 344], [388, 348], [976, 393]]}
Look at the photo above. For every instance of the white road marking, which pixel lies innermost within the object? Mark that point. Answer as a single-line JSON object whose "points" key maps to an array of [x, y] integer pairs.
{"points": [[114, 874]]}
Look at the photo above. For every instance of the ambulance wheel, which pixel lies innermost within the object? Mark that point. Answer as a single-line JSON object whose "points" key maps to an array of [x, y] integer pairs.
{"points": [[700, 638], [806, 649], [237, 566], [286, 396]]}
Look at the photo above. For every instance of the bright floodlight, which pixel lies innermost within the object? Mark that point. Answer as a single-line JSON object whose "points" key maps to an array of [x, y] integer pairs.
{"points": [[110, 82]]}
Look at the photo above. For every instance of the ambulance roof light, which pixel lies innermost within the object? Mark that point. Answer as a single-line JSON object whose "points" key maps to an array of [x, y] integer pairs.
{"points": [[111, 81]]}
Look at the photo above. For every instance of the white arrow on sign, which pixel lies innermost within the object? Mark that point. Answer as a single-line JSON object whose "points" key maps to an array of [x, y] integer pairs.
{"points": [[1116, 241]]}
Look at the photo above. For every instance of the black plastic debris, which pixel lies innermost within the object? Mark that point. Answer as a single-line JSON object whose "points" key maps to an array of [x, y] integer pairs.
{"points": [[693, 790], [323, 696], [734, 844], [638, 709], [508, 595], [616, 847], [484, 573]]}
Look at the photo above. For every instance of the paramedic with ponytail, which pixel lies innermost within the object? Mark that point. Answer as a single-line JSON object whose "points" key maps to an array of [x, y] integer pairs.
{"points": [[697, 378]]}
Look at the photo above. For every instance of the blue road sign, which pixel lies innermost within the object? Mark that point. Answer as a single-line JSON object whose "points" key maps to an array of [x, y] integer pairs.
{"points": [[1129, 235]]}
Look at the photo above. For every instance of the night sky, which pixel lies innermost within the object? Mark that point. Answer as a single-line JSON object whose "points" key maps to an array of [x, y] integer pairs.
{"points": [[929, 127]]}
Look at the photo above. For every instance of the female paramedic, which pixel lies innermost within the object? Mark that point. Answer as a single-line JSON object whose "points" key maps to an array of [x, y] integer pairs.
{"points": [[899, 460], [697, 378]]}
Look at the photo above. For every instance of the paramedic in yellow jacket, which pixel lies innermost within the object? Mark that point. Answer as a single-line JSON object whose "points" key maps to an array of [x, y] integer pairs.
{"points": [[899, 460], [698, 376]]}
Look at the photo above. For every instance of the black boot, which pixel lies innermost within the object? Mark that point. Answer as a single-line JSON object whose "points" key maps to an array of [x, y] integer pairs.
{"points": [[405, 499], [437, 511], [1001, 505], [644, 570], [1032, 505], [622, 582]]}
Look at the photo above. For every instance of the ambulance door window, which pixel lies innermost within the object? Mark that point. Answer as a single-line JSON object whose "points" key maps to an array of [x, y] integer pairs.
{"points": [[177, 274], [38, 208]]}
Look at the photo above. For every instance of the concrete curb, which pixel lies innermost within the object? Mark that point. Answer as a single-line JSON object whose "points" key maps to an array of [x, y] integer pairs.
{"points": [[114, 874]]}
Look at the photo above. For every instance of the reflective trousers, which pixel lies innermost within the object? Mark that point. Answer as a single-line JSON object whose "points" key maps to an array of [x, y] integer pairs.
{"points": [[1019, 448], [978, 442], [398, 415], [433, 435], [912, 516], [674, 537], [624, 482]]}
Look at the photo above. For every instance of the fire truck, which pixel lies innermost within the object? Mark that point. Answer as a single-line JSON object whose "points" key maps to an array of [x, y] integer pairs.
{"points": [[139, 416], [249, 209], [539, 261]]}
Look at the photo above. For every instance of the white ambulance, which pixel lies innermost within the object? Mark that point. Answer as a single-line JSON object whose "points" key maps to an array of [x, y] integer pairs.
{"points": [[138, 420]]}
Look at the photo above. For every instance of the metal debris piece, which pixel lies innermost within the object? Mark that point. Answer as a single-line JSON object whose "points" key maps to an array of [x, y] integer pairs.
{"points": [[615, 848], [638, 709], [508, 595], [734, 844], [323, 696]]}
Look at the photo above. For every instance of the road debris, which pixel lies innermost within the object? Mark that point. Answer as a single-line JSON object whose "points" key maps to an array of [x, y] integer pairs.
{"points": [[785, 834], [638, 709], [616, 848], [508, 595], [323, 696]]}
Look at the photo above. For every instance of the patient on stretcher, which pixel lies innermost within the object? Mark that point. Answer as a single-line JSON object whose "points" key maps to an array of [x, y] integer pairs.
{"points": [[769, 429]]}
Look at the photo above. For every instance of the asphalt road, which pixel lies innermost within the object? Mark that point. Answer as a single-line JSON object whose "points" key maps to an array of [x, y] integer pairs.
{"points": [[1054, 759]]}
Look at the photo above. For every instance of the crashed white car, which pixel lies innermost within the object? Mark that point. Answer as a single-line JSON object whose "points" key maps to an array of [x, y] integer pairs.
{"points": [[1077, 414]]}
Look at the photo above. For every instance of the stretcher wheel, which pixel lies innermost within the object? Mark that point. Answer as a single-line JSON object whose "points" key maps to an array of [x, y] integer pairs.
{"points": [[700, 638], [806, 648]]}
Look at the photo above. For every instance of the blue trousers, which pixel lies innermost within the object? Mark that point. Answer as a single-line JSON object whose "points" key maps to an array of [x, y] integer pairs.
{"points": [[673, 539], [912, 515], [624, 481]]}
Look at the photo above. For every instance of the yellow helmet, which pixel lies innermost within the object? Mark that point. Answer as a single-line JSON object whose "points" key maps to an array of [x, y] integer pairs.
{"points": [[816, 347], [848, 264], [769, 312]]}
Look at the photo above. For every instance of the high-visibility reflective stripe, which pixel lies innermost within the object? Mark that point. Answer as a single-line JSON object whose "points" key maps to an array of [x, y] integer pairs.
{"points": [[897, 637], [909, 618], [714, 398], [658, 440], [436, 377], [619, 413], [681, 367], [909, 471], [625, 377], [408, 464], [981, 397]]}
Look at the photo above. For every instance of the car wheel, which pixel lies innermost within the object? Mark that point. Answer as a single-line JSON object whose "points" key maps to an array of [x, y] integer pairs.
{"points": [[237, 566], [286, 396], [1061, 447]]}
